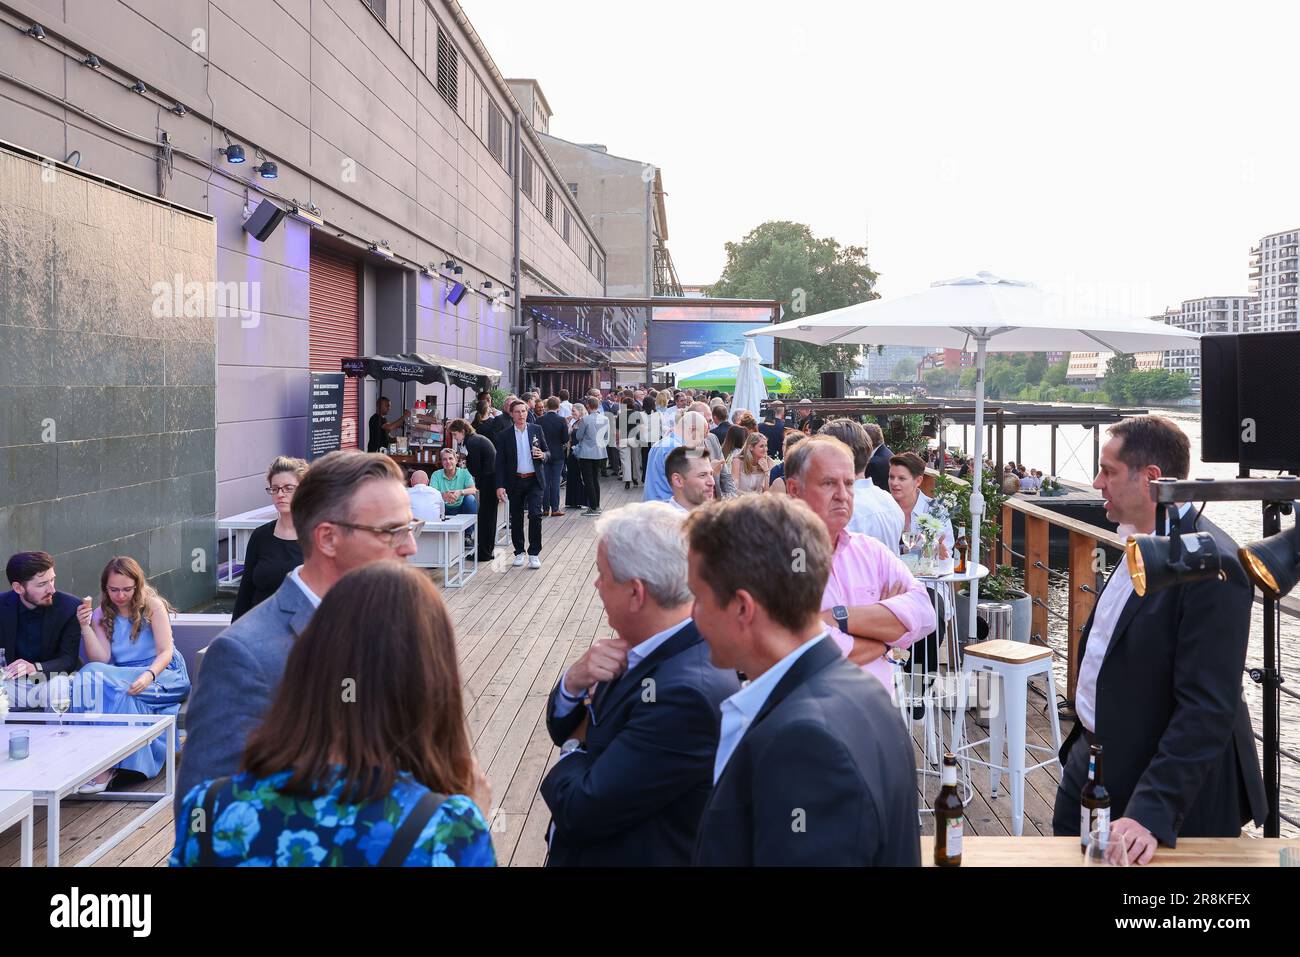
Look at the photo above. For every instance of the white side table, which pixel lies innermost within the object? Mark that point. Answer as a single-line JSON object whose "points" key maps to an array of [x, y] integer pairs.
{"points": [[15, 807]]}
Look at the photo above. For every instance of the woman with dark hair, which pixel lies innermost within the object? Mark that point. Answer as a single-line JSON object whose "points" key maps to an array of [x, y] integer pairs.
{"points": [[652, 427], [363, 757], [724, 473], [906, 471], [629, 443], [132, 664], [272, 550]]}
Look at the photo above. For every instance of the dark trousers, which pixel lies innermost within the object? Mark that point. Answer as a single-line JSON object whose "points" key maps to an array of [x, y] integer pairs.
{"points": [[645, 461], [591, 480], [1065, 813], [487, 524], [527, 493], [554, 470], [575, 493]]}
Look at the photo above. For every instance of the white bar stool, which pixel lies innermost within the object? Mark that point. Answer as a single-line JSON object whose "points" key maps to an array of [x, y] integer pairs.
{"points": [[1015, 662]]}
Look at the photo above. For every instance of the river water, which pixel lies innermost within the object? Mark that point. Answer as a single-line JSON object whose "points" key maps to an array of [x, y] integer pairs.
{"points": [[1241, 520]]}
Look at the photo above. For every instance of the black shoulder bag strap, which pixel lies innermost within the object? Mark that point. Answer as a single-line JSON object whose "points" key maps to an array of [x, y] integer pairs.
{"points": [[207, 854], [404, 840]]}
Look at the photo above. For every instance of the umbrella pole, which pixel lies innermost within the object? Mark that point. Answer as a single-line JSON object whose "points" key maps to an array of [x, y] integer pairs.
{"points": [[976, 497]]}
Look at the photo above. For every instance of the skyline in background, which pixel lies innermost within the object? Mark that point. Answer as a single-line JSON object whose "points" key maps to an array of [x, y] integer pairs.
{"points": [[1125, 157]]}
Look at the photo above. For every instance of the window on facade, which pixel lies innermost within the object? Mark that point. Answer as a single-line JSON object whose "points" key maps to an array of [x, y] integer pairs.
{"points": [[496, 145], [526, 174], [448, 68], [380, 7], [590, 265], [573, 188], [550, 204], [568, 223]]}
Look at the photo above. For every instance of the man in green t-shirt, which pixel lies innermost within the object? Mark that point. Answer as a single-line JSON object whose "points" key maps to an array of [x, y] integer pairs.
{"points": [[456, 486]]}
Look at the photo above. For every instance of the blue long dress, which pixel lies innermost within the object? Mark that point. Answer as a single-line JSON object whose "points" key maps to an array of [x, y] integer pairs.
{"points": [[103, 689]]}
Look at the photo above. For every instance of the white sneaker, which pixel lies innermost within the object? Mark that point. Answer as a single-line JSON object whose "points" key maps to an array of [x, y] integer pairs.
{"points": [[534, 561], [519, 560]]}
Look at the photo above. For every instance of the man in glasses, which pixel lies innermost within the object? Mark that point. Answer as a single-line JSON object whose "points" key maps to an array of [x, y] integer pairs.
{"points": [[350, 509]]}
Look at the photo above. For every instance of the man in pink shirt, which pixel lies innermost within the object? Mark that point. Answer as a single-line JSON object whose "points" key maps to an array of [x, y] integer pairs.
{"points": [[872, 602]]}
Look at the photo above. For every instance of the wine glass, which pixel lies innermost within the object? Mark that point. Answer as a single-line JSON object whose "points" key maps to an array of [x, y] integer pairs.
{"points": [[910, 540], [1103, 850], [61, 701]]}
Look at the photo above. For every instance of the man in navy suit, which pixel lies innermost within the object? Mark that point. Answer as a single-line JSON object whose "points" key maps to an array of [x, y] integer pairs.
{"points": [[636, 764], [556, 430], [814, 765], [350, 509], [521, 456], [39, 631]]}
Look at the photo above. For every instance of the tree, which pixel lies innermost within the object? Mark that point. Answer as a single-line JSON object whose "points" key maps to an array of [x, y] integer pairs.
{"points": [[807, 274], [1055, 376], [905, 370], [941, 380]]}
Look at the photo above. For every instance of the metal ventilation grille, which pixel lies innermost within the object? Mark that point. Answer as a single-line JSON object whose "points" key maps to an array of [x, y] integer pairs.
{"points": [[448, 69]]}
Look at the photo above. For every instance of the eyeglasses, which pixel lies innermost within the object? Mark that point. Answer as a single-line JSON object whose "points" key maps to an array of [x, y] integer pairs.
{"points": [[395, 535], [274, 490]]}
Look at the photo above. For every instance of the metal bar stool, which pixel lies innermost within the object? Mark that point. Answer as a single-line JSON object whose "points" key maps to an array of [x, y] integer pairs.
{"points": [[1015, 662]]}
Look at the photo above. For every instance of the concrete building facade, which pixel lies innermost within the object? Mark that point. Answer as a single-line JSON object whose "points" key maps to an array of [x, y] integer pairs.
{"points": [[624, 199], [1274, 274], [389, 131], [1206, 315]]}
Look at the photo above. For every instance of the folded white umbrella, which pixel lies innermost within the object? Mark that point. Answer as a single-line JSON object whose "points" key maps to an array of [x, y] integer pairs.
{"points": [[977, 313], [750, 388]]}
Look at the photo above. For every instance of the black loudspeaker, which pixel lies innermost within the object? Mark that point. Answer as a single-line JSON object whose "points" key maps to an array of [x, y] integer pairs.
{"points": [[1267, 363], [458, 291], [833, 385], [1220, 423], [265, 218], [1247, 391]]}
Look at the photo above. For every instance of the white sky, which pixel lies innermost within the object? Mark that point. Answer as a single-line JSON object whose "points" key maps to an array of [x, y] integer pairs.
{"points": [[1131, 152]]}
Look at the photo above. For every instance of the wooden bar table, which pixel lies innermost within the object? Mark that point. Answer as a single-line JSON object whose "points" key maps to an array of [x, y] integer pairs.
{"points": [[1065, 852]]}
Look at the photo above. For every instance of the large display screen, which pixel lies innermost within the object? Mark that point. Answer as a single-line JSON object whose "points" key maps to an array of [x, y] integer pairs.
{"points": [[676, 340]]}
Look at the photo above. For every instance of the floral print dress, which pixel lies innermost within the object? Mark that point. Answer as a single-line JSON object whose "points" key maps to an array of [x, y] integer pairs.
{"points": [[255, 825]]}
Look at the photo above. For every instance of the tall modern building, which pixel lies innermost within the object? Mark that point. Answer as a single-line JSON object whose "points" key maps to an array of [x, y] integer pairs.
{"points": [[880, 366], [423, 201], [1274, 270], [624, 200], [1206, 315]]}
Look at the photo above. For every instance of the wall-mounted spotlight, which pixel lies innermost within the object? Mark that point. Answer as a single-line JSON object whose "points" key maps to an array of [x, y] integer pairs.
{"points": [[35, 31], [93, 62], [427, 269], [487, 284], [308, 214], [381, 249], [180, 109], [267, 169], [234, 153], [139, 87]]}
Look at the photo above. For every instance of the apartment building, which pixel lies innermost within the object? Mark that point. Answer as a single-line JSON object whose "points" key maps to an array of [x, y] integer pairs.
{"points": [[1274, 268], [1206, 315]]}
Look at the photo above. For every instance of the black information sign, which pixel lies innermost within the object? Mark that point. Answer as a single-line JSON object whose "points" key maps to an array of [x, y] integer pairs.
{"points": [[325, 434]]}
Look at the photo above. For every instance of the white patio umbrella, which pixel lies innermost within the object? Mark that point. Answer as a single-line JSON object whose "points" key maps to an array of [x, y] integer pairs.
{"points": [[976, 312], [750, 388], [717, 359]]}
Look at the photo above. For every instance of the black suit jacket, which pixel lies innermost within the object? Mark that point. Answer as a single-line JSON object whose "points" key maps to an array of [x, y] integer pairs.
{"points": [[774, 432], [481, 460], [824, 775], [878, 466], [1179, 753], [633, 798], [556, 429], [508, 458], [61, 637]]}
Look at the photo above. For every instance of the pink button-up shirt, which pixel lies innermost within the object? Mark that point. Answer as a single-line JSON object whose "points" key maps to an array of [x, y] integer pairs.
{"points": [[862, 570]]}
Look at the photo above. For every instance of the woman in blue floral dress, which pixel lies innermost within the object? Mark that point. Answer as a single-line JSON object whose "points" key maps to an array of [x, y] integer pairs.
{"points": [[363, 758]]}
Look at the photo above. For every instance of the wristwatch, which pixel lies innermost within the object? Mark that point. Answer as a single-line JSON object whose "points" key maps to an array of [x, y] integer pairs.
{"points": [[841, 615], [573, 744]]}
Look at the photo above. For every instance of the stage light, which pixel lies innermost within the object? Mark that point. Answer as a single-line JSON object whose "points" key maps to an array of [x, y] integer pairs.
{"points": [[234, 153], [1158, 561], [1274, 562], [93, 62], [180, 109], [268, 170], [487, 284], [35, 31], [139, 87]]}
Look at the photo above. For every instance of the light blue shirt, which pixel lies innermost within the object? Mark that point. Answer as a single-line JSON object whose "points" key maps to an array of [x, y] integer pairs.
{"points": [[523, 452], [743, 707], [636, 655], [657, 488]]}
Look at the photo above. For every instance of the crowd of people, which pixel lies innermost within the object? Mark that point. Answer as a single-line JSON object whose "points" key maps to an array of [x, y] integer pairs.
{"points": [[742, 711]]}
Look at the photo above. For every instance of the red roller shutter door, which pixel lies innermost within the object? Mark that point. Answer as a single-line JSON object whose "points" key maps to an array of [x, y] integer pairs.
{"points": [[336, 329]]}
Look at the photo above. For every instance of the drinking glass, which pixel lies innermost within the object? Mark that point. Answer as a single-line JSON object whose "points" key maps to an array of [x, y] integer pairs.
{"points": [[1290, 856], [1104, 850], [60, 701]]}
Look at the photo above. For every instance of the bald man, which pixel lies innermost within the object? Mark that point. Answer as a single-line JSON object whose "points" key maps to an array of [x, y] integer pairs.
{"points": [[426, 503]]}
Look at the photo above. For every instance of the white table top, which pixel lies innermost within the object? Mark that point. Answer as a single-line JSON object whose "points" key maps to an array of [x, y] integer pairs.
{"points": [[458, 523], [945, 573], [14, 803], [56, 764], [244, 520]]}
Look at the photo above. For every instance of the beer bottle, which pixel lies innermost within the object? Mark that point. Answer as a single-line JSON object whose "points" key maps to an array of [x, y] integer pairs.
{"points": [[1094, 800], [962, 548], [948, 814]]}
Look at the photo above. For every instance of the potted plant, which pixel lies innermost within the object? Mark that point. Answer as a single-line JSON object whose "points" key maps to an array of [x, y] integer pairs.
{"points": [[1051, 486]]}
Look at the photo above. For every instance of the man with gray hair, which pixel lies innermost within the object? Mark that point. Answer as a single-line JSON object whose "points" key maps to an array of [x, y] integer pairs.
{"points": [[692, 431], [637, 715]]}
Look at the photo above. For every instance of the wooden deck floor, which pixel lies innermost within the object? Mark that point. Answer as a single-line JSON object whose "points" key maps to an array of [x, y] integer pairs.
{"points": [[517, 630]]}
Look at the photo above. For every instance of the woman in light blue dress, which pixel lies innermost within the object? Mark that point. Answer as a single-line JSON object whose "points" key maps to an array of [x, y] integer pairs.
{"points": [[132, 663]]}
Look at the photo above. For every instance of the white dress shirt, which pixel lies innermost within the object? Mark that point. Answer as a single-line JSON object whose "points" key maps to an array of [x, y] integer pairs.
{"points": [[635, 655], [523, 452], [426, 502], [740, 710], [312, 597], [875, 513], [677, 505], [1110, 604]]}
